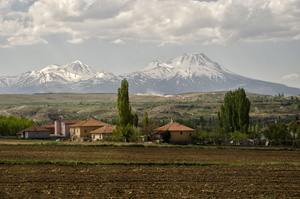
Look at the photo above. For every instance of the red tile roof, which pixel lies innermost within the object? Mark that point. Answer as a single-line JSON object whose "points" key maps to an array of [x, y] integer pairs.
{"points": [[90, 122], [33, 129], [48, 125], [105, 129], [70, 121], [173, 127]]}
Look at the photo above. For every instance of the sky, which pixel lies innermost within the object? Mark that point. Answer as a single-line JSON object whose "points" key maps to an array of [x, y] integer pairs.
{"points": [[259, 39]]}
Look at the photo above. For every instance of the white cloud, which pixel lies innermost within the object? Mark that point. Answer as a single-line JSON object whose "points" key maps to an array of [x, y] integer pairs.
{"points": [[161, 22], [25, 40], [292, 76], [76, 41], [118, 41]]}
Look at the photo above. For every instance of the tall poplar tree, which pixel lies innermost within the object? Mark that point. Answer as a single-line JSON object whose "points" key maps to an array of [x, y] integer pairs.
{"points": [[146, 120], [234, 113], [124, 108]]}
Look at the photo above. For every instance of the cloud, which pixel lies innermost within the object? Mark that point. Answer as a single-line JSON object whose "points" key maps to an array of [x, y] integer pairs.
{"points": [[168, 21], [292, 76], [76, 40], [118, 41]]}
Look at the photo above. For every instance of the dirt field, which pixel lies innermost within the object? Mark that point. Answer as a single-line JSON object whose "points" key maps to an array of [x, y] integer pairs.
{"points": [[50, 181], [145, 154], [140, 181]]}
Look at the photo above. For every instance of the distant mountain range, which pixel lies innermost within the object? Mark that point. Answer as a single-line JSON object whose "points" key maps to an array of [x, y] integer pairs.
{"points": [[187, 73]]}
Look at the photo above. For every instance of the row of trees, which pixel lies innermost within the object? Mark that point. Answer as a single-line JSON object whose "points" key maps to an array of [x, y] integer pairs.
{"points": [[10, 125]]}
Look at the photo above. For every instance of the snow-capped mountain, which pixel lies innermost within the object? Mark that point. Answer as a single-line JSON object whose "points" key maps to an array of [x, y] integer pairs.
{"points": [[196, 73], [72, 77], [187, 73], [185, 66], [72, 72]]}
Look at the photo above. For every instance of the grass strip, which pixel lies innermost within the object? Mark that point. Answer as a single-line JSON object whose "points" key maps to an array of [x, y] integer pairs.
{"points": [[122, 163], [53, 143]]}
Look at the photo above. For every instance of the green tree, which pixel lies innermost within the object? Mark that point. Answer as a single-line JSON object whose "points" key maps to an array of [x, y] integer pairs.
{"points": [[293, 129], [125, 116], [234, 113], [278, 133], [135, 120], [11, 125], [145, 120]]}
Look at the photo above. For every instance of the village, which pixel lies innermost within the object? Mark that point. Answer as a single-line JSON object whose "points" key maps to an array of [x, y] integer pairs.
{"points": [[94, 130], [233, 127]]}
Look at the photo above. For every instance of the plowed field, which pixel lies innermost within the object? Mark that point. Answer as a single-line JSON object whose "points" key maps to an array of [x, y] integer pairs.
{"points": [[261, 180], [145, 154]]}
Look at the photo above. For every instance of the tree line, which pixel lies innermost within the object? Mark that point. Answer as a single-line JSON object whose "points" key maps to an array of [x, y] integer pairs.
{"points": [[10, 125]]}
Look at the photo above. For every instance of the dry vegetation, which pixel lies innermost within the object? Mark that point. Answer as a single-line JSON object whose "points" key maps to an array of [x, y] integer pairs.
{"points": [[103, 106]]}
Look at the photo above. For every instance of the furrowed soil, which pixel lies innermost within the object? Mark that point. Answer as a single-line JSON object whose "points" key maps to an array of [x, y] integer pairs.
{"points": [[34, 180], [50, 181], [144, 154]]}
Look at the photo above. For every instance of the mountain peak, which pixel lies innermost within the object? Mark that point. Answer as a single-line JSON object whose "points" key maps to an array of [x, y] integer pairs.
{"points": [[191, 59], [49, 68], [77, 62]]}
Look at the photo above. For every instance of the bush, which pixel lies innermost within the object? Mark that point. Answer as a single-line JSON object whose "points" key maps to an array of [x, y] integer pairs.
{"points": [[127, 134], [238, 136]]}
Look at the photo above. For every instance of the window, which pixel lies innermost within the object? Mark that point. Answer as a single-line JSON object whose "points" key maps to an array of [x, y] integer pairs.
{"points": [[181, 133], [85, 130], [93, 136]]}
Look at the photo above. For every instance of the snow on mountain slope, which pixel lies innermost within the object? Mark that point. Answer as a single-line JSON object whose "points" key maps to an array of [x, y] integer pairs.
{"points": [[195, 73], [186, 73], [105, 76], [72, 72], [7, 81], [72, 77], [186, 66]]}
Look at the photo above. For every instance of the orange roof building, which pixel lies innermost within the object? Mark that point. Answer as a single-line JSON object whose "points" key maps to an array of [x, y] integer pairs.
{"points": [[179, 134], [62, 127], [34, 132], [82, 129], [103, 133]]}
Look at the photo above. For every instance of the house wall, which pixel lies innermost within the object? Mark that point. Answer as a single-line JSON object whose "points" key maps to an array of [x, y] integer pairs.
{"points": [[37, 135], [72, 131], [63, 129], [51, 129], [95, 136], [83, 132], [101, 136], [180, 137], [57, 126], [67, 129]]}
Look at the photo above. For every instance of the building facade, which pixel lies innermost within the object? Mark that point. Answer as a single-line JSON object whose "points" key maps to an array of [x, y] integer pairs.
{"points": [[82, 129], [178, 133]]}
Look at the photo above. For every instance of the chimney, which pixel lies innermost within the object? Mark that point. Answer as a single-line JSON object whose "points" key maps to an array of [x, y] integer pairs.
{"points": [[171, 120]]}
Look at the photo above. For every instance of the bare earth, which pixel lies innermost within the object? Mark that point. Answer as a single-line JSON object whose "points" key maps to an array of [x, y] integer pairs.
{"points": [[136, 181]]}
